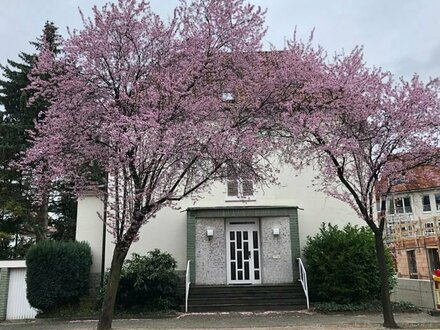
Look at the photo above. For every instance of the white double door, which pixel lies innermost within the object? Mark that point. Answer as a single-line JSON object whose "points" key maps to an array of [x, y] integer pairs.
{"points": [[243, 251]]}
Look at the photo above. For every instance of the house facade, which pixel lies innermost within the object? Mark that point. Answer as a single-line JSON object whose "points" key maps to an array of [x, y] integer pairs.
{"points": [[237, 234], [413, 223]]}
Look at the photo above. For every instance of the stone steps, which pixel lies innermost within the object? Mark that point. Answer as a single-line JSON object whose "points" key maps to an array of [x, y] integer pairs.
{"points": [[246, 297]]}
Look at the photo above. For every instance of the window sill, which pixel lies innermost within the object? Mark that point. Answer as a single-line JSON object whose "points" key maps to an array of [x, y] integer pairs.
{"points": [[240, 199]]}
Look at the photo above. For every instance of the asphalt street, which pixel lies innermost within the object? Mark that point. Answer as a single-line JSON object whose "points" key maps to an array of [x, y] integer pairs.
{"points": [[299, 320]]}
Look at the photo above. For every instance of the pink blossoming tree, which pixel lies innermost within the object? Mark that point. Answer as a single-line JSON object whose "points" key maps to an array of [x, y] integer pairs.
{"points": [[140, 99], [356, 126]]}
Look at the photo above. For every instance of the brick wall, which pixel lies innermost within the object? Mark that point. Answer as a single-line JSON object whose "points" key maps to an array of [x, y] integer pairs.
{"points": [[4, 286], [423, 270]]}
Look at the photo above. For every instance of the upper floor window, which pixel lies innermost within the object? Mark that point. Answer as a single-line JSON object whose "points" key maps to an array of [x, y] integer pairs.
{"points": [[239, 189], [398, 180], [437, 201], [239, 185], [381, 205], [228, 96], [400, 205], [426, 203]]}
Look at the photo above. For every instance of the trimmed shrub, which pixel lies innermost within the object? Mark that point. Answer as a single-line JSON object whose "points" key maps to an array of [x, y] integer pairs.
{"points": [[148, 283], [342, 265], [57, 274]]}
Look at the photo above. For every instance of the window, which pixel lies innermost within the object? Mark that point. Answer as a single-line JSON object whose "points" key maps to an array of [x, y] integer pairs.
{"points": [[412, 263], [228, 97], [381, 205], [406, 228], [391, 208], [437, 201], [398, 180], [429, 228], [239, 186], [426, 201], [434, 261], [240, 190], [401, 205]]}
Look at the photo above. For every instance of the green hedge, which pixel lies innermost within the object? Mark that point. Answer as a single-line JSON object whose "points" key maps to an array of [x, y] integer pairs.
{"points": [[342, 265], [57, 274]]}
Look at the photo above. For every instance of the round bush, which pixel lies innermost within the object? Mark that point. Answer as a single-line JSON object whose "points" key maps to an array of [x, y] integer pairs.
{"points": [[342, 265], [57, 273], [148, 282]]}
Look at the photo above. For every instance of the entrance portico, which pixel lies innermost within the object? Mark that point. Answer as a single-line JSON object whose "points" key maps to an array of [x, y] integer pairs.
{"points": [[244, 245]]}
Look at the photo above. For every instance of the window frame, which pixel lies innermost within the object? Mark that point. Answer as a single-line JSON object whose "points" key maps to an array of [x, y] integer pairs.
{"points": [[412, 264], [429, 203], [228, 96], [240, 196], [394, 209], [428, 228], [437, 201], [433, 258]]}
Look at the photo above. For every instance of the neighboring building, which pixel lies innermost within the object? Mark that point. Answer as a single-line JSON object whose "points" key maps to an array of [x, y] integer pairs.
{"points": [[413, 222], [237, 234]]}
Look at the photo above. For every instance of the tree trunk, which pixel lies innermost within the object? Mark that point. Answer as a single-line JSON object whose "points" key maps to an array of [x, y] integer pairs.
{"points": [[388, 317], [111, 288], [43, 220]]}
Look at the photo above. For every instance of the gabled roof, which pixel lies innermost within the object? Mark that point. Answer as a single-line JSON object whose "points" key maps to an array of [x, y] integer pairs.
{"points": [[419, 178]]}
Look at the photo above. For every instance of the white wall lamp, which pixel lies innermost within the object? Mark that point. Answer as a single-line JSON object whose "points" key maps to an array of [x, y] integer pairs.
{"points": [[276, 231], [210, 233]]}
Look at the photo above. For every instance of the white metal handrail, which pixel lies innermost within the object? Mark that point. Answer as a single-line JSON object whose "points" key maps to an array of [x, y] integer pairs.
{"points": [[303, 280], [187, 284]]}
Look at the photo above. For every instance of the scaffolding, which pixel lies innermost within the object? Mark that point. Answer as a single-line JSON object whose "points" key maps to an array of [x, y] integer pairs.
{"points": [[414, 243]]}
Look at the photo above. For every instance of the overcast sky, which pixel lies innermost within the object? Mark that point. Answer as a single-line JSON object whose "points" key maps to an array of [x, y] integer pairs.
{"points": [[402, 36]]}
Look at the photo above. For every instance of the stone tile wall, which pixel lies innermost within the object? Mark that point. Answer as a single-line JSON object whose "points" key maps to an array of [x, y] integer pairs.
{"points": [[210, 252], [275, 251]]}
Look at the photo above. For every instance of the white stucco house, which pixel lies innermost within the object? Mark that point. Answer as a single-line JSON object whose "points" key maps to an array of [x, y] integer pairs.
{"points": [[237, 234]]}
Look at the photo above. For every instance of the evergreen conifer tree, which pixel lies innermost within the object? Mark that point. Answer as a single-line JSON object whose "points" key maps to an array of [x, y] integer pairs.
{"points": [[20, 219]]}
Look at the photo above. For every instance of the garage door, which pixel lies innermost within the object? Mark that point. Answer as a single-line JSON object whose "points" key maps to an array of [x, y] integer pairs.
{"points": [[18, 307]]}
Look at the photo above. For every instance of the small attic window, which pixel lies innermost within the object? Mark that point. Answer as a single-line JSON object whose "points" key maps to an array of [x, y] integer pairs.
{"points": [[238, 190], [228, 97], [398, 180]]}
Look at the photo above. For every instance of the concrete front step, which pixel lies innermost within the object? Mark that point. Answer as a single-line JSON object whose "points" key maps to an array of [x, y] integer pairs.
{"points": [[242, 308], [248, 301], [293, 288]]}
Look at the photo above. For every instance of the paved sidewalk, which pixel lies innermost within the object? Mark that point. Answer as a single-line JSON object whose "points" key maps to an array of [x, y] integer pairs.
{"points": [[299, 320]]}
